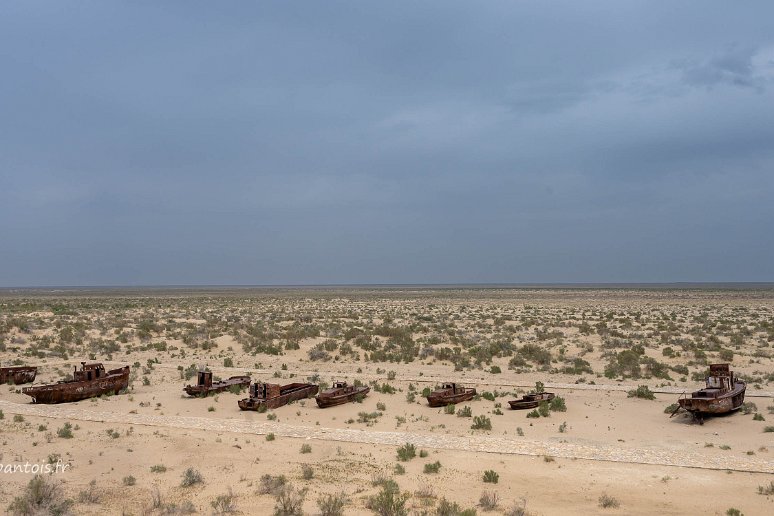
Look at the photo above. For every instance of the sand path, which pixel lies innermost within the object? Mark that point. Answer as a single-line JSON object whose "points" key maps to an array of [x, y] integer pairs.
{"points": [[473, 442]]}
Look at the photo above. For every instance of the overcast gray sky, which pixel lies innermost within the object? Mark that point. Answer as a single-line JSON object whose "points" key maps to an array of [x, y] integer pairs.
{"points": [[385, 142]]}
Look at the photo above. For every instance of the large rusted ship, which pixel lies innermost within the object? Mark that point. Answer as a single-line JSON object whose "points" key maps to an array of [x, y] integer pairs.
{"points": [[272, 395], [205, 386], [17, 374], [92, 380], [450, 394], [723, 393], [341, 393]]}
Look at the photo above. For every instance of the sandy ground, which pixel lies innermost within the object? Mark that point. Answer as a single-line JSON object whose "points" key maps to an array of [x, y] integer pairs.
{"points": [[605, 443]]}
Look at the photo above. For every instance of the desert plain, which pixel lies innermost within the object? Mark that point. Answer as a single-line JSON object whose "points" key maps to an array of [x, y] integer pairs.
{"points": [[618, 358]]}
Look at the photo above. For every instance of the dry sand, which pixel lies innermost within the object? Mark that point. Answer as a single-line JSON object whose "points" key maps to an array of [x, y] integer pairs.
{"points": [[624, 447]]}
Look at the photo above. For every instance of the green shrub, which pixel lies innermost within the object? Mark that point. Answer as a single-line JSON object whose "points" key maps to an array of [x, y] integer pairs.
{"points": [[671, 408], [465, 411], [558, 404], [481, 423], [491, 476], [306, 448], [289, 501], [389, 501], [423, 454], [270, 436], [158, 468], [228, 362], [432, 467], [643, 392], [407, 452], [449, 409], [66, 431], [224, 504]]}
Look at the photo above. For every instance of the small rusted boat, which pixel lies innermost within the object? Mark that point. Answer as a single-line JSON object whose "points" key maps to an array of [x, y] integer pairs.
{"points": [[531, 400], [341, 393], [17, 374], [91, 381], [450, 394], [205, 386], [723, 393], [272, 395]]}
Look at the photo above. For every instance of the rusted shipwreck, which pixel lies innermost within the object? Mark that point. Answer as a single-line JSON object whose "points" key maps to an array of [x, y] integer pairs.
{"points": [[205, 386], [723, 393], [450, 394], [271, 395], [18, 374], [90, 381], [531, 400], [341, 393]]}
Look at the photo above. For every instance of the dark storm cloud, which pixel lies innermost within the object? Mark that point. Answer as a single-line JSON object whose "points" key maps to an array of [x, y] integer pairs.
{"points": [[346, 142]]}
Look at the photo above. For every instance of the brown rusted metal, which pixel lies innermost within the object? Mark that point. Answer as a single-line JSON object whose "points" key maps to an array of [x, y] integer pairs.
{"points": [[723, 392], [17, 374], [341, 393], [205, 386], [90, 381], [450, 394], [272, 395], [531, 400]]}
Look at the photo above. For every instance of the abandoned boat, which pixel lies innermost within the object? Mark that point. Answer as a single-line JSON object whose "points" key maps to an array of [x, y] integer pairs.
{"points": [[450, 394], [341, 393], [17, 374], [531, 400], [91, 381], [205, 386], [272, 395], [723, 393]]}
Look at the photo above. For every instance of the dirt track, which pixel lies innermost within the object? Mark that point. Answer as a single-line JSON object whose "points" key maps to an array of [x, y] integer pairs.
{"points": [[475, 443]]}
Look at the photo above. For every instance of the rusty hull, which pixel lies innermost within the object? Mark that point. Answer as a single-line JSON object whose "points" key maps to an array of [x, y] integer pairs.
{"points": [[90, 381], [18, 374], [272, 395], [450, 394], [341, 393], [723, 393], [531, 400], [205, 386]]}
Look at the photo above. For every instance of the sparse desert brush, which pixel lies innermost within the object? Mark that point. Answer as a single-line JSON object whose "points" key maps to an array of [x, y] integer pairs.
{"points": [[332, 504], [491, 476], [768, 429], [41, 496], [289, 501], [447, 508], [557, 404], [767, 490], [129, 480], [489, 500], [407, 452], [642, 392], [465, 411], [224, 504], [449, 409], [432, 467], [66, 431], [89, 495], [191, 477], [158, 468], [481, 423], [306, 448], [271, 484], [307, 473], [608, 502], [670, 408], [270, 436], [389, 501]]}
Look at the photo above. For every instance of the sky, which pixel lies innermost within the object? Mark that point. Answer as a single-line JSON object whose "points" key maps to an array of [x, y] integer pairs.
{"points": [[292, 143]]}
